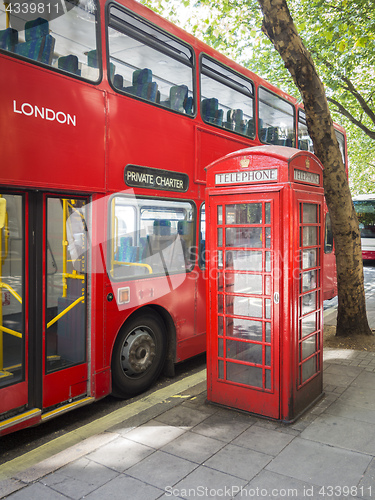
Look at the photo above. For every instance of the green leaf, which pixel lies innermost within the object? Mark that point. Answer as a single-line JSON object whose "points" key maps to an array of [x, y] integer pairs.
{"points": [[361, 42], [342, 46]]}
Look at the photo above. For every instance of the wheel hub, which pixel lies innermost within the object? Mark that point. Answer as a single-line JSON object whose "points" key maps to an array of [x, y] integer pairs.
{"points": [[138, 352]]}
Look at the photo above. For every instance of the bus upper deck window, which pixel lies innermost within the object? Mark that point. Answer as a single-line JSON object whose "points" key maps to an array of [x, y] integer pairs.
{"points": [[227, 98], [328, 235], [46, 33], [341, 140], [149, 63], [304, 140], [276, 119]]}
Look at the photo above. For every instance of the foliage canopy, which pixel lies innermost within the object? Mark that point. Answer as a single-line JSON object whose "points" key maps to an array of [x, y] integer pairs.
{"points": [[340, 34]]}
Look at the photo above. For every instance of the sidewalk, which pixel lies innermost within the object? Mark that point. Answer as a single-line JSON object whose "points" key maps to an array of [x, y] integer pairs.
{"points": [[173, 444]]}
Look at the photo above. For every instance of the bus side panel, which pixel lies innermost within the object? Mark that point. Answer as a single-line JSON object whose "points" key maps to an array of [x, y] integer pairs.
{"points": [[100, 346], [212, 145], [52, 129], [143, 134], [174, 294], [329, 276]]}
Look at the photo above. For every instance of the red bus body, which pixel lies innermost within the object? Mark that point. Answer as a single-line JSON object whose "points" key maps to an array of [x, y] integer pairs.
{"points": [[67, 140]]}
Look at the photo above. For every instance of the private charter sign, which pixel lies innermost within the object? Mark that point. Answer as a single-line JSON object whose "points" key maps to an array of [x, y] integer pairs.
{"points": [[153, 178]]}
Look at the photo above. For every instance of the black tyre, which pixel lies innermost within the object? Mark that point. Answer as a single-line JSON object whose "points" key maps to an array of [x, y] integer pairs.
{"points": [[138, 354]]}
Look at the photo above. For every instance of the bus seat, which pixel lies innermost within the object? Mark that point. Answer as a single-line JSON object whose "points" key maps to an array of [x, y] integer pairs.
{"points": [[39, 43], [235, 120], [272, 135], [202, 253], [250, 131], [92, 59], [118, 82], [183, 227], [143, 248], [112, 69], [229, 124], [162, 227], [142, 85], [219, 117], [8, 39], [303, 144], [93, 62], [127, 252], [188, 105], [263, 134], [209, 108], [69, 63], [147, 91], [240, 123], [141, 76], [177, 96]]}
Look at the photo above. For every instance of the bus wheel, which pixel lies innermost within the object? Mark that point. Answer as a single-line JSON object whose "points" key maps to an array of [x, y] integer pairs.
{"points": [[138, 355]]}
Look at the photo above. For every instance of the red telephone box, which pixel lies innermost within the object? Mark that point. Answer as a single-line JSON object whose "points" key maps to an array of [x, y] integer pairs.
{"points": [[265, 296]]}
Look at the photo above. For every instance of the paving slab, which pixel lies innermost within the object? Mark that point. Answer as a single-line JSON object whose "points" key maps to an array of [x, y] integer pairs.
{"points": [[154, 434], [224, 425], [79, 478], [366, 487], [366, 381], [352, 412], [181, 416], [238, 461], [320, 464], [162, 469], [124, 487], [263, 440], [341, 375], [343, 433], [37, 491], [194, 447], [204, 482], [277, 486], [120, 454], [356, 396]]}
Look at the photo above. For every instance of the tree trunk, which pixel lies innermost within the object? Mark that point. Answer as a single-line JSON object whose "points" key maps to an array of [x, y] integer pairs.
{"points": [[279, 27]]}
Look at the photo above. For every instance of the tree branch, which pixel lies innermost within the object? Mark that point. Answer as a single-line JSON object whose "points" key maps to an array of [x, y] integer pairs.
{"points": [[343, 111], [351, 88]]}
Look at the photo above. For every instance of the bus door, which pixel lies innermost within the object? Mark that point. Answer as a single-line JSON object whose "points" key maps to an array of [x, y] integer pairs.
{"points": [[43, 309], [62, 325]]}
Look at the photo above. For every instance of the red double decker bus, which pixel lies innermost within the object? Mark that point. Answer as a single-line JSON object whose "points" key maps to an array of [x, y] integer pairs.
{"points": [[109, 116]]}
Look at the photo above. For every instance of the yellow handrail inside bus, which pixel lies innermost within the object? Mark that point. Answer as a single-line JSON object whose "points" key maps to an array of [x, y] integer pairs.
{"points": [[114, 236], [11, 332], [3, 211], [7, 14], [10, 289], [140, 264], [74, 275], [65, 248], [56, 318], [2, 225], [6, 234], [65, 243]]}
